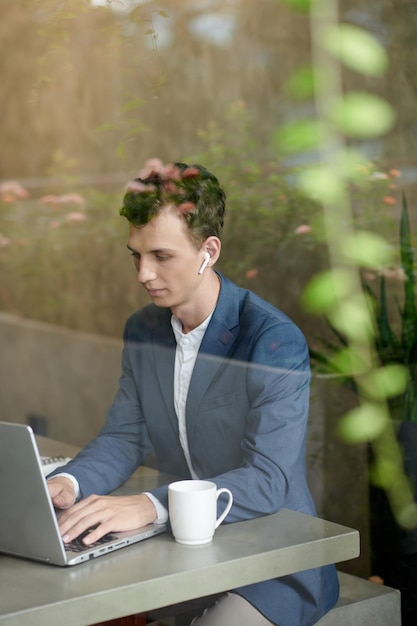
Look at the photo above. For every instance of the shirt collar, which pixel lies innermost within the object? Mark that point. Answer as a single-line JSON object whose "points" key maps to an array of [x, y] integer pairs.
{"points": [[194, 335]]}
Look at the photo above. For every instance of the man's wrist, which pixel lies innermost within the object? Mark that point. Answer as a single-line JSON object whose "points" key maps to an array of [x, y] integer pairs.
{"points": [[161, 512], [73, 480]]}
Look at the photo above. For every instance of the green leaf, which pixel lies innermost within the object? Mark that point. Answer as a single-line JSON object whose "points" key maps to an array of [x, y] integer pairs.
{"points": [[408, 314], [297, 136], [354, 164], [362, 115], [357, 49], [348, 361], [106, 127], [367, 249], [385, 382], [136, 129], [133, 104], [362, 424], [407, 516], [301, 5], [326, 289], [121, 150], [352, 317], [322, 183], [301, 84], [386, 336]]}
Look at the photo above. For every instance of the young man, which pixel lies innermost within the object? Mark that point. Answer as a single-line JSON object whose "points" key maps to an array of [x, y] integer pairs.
{"points": [[215, 382]]}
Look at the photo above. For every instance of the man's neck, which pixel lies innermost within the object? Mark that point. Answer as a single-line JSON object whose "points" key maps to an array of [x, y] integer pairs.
{"points": [[195, 314]]}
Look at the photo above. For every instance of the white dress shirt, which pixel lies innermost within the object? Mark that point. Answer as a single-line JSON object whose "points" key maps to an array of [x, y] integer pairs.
{"points": [[186, 352], [185, 357]]}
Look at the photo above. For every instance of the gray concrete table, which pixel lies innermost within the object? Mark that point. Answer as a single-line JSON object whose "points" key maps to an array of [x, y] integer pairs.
{"points": [[159, 572]]}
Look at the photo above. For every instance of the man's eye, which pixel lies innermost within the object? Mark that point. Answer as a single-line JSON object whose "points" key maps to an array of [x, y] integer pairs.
{"points": [[161, 257], [136, 258]]}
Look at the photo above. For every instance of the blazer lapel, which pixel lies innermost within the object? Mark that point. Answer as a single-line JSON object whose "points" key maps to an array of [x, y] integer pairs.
{"points": [[164, 354], [217, 344]]}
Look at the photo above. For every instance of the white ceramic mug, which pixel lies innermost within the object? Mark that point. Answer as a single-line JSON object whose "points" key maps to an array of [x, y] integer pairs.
{"points": [[193, 510]]}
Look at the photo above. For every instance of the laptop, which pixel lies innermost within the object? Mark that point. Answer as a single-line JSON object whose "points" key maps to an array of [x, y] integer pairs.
{"points": [[28, 520]]}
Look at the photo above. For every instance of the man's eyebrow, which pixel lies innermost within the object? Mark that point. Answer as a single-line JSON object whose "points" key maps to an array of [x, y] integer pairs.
{"points": [[156, 251]]}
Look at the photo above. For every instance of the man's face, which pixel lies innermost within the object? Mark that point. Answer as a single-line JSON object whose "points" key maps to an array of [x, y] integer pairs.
{"points": [[167, 261]]}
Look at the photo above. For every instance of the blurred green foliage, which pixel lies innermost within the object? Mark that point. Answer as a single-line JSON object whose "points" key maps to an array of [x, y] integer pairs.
{"points": [[395, 343], [341, 119]]}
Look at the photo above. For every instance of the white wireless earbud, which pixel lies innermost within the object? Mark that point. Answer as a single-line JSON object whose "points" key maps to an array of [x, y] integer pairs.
{"points": [[205, 263]]}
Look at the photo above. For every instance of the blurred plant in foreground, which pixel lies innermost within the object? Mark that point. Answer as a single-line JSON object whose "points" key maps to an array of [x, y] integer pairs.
{"points": [[341, 120], [395, 345]]}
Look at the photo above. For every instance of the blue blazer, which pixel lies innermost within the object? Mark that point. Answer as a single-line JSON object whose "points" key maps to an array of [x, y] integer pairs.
{"points": [[246, 416]]}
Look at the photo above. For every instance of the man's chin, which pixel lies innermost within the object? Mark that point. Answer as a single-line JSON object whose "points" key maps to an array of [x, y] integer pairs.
{"points": [[160, 301], [161, 305]]}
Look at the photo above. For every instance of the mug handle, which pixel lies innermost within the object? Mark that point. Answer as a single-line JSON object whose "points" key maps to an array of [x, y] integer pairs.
{"points": [[228, 505]]}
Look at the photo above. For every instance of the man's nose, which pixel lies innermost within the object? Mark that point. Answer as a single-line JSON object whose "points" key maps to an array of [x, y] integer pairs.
{"points": [[145, 272]]}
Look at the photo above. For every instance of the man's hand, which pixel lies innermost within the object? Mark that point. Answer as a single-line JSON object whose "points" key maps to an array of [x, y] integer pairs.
{"points": [[62, 492], [108, 513]]}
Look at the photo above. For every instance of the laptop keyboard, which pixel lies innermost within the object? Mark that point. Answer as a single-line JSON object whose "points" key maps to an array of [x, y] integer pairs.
{"points": [[77, 544]]}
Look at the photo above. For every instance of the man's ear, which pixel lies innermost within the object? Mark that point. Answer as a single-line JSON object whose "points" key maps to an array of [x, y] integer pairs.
{"points": [[213, 246]]}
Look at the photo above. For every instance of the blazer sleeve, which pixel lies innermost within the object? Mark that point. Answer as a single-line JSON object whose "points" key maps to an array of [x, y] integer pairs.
{"points": [[122, 444]]}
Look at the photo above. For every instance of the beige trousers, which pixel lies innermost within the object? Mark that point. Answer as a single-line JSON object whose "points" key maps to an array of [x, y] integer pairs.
{"points": [[231, 610]]}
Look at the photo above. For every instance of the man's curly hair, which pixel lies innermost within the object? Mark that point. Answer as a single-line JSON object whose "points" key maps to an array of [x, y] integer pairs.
{"points": [[192, 189]]}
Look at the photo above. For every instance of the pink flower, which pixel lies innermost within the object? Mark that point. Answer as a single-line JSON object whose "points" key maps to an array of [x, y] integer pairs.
{"points": [[171, 172], [187, 208], [69, 198], [151, 167], [251, 273], [8, 197], [396, 273], [303, 229], [4, 241], [76, 216], [379, 176], [389, 200], [191, 172], [137, 187], [72, 198], [53, 224], [395, 173], [49, 199], [13, 188], [170, 187], [155, 167]]}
